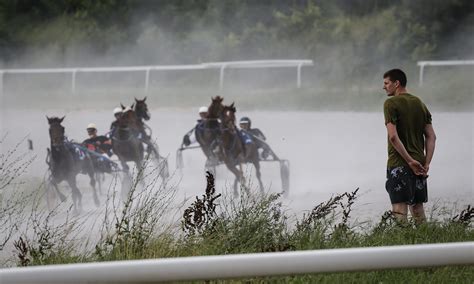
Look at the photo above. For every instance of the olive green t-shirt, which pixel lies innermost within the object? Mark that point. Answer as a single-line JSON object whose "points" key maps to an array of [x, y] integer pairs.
{"points": [[410, 115]]}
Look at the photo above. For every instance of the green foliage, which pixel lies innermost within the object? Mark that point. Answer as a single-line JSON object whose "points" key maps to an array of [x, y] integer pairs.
{"points": [[411, 30], [60, 24], [136, 217], [250, 224]]}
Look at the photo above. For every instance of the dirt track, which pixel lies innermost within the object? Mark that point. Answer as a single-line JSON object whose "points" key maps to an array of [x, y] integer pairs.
{"points": [[329, 152]]}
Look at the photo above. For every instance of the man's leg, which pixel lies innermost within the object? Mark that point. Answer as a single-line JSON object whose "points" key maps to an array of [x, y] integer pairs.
{"points": [[418, 213], [400, 211]]}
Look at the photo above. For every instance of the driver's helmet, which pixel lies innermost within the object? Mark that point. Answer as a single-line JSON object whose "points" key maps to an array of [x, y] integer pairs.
{"points": [[117, 110], [245, 120], [203, 109], [91, 126]]}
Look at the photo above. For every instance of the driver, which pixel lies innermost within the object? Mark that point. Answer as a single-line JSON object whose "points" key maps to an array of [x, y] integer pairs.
{"points": [[97, 143], [98, 146], [190, 137], [114, 124], [250, 134]]}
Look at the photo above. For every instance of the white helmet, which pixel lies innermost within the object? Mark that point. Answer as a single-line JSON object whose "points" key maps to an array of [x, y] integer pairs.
{"points": [[91, 126], [117, 110], [203, 109]]}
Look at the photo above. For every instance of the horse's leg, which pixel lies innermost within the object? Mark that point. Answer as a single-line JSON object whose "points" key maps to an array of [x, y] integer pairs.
{"points": [[242, 177], [99, 177], [140, 163], [238, 174], [91, 174], [125, 167], [126, 180], [50, 194], [76, 194], [256, 164], [62, 197], [164, 169], [140, 171]]}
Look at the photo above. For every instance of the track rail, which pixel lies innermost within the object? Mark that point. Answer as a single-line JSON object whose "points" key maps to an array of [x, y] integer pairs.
{"points": [[247, 265]]}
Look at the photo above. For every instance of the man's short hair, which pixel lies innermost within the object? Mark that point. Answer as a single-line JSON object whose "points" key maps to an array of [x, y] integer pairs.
{"points": [[396, 75]]}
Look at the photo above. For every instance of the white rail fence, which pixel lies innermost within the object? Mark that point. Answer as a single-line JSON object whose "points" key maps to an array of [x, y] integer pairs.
{"points": [[221, 66], [423, 64], [247, 265]]}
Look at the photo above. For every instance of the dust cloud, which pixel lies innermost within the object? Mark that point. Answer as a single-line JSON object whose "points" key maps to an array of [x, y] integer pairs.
{"points": [[329, 153]]}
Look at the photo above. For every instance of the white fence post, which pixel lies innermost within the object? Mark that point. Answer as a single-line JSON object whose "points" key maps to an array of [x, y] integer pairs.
{"points": [[221, 77], [1, 84], [298, 76], [73, 85], [1, 93], [147, 79], [422, 65]]}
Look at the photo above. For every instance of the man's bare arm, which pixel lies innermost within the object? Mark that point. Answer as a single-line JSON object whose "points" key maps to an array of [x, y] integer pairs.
{"points": [[392, 133], [430, 141]]}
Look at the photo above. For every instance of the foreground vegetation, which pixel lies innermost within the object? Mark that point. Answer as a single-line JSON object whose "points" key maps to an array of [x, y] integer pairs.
{"points": [[216, 224]]}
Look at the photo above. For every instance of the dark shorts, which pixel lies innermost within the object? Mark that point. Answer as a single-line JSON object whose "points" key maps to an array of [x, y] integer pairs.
{"points": [[403, 186]]}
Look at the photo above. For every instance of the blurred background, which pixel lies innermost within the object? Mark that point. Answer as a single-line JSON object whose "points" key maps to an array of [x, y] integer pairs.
{"points": [[330, 127], [350, 42]]}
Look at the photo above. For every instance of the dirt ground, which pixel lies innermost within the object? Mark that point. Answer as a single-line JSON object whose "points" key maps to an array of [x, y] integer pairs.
{"points": [[329, 153]]}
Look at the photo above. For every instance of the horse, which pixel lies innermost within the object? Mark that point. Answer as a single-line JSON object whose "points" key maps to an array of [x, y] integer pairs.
{"points": [[208, 131], [141, 109], [142, 113], [65, 164], [125, 143], [234, 149]]}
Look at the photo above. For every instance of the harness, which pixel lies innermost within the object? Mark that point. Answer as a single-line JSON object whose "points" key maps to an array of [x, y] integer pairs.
{"points": [[202, 126], [235, 136], [125, 129]]}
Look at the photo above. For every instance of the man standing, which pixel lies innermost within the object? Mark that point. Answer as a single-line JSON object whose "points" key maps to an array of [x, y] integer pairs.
{"points": [[411, 144]]}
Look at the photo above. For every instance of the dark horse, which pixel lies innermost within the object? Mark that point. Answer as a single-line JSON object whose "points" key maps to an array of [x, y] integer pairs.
{"points": [[142, 113], [125, 143], [208, 131], [233, 150], [141, 109], [65, 163]]}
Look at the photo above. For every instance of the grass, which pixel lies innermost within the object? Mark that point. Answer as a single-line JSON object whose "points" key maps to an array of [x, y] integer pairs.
{"points": [[139, 226]]}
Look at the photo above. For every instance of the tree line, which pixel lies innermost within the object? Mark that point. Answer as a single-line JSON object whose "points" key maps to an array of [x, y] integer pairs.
{"points": [[347, 37]]}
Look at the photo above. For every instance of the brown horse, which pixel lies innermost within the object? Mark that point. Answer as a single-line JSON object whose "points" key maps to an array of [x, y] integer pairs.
{"points": [[235, 150], [142, 113], [141, 109], [125, 143], [65, 161], [208, 131]]}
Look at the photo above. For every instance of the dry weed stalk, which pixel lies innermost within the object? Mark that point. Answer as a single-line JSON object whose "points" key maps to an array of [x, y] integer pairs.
{"points": [[322, 210], [136, 218], [13, 165], [201, 214], [465, 217]]}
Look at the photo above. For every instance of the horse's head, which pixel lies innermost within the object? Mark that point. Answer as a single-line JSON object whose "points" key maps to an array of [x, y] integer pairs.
{"points": [[228, 117], [128, 118], [141, 109], [216, 108], [56, 131]]}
